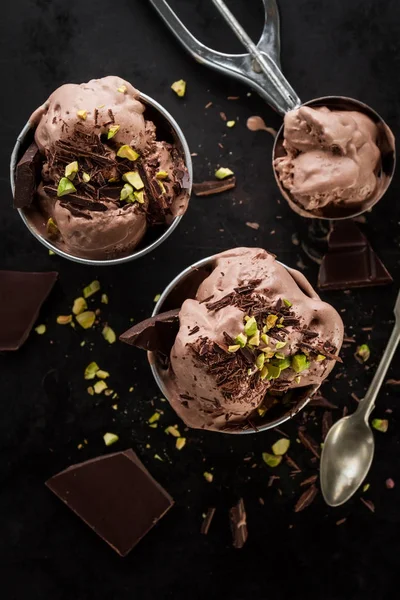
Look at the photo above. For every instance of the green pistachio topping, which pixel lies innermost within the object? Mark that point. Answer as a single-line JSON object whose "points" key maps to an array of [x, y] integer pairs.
{"points": [[179, 87], [281, 447], [300, 363], [363, 352], [123, 89], [81, 114], [79, 305], [271, 460], [161, 186], [255, 339], [241, 339], [134, 179], [112, 131], [86, 177], [154, 417], [380, 425], [270, 321], [250, 327], [162, 174], [265, 338], [180, 442], [110, 438], [109, 334], [100, 386], [104, 299], [51, 227], [91, 370], [279, 355], [297, 379], [283, 363], [91, 289], [65, 187], [40, 329], [156, 297], [103, 375], [127, 193], [260, 361], [139, 196], [261, 410], [223, 173], [234, 348], [230, 124], [173, 430], [320, 358], [64, 319], [287, 303], [208, 476], [86, 319], [71, 169], [126, 151], [90, 391], [269, 352], [280, 345], [366, 487]]}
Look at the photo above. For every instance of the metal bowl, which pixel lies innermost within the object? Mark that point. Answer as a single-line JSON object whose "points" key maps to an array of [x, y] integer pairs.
{"points": [[169, 127], [185, 286], [385, 143]]}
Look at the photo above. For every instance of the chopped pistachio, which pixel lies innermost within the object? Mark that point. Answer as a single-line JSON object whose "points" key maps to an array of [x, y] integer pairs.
{"points": [[180, 442], [230, 123], [113, 179], [82, 343], [179, 87], [223, 172], [65, 186], [112, 131], [108, 392], [234, 348], [261, 410], [82, 114], [64, 319], [241, 339], [162, 174], [126, 193], [208, 476], [270, 321], [123, 89], [90, 391], [104, 299], [300, 363], [91, 370], [283, 363], [139, 196], [366, 487], [250, 327], [126, 151], [114, 406], [161, 186], [86, 177], [110, 438], [103, 375], [156, 297], [173, 430], [158, 457], [363, 352], [153, 425], [287, 303], [273, 371], [80, 446], [51, 253], [264, 372], [320, 358], [154, 417], [131, 389], [260, 361], [86, 319], [100, 386], [40, 329], [269, 352], [255, 339], [265, 338], [109, 334], [51, 228], [279, 355], [134, 179], [279, 326], [115, 395], [79, 305], [281, 447], [297, 379], [71, 169], [380, 425], [91, 289], [271, 460], [280, 345]]}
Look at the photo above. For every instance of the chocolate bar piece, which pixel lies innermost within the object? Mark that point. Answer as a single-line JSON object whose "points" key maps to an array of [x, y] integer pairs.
{"points": [[21, 296], [27, 174], [350, 261], [238, 520], [156, 334], [209, 188], [115, 495]]}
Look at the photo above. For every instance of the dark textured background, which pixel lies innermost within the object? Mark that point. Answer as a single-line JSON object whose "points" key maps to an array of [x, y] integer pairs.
{"points": [[341, 47]]}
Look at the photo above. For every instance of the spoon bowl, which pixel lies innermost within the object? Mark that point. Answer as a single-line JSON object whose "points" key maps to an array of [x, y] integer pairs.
{"points": [[346, 458]]}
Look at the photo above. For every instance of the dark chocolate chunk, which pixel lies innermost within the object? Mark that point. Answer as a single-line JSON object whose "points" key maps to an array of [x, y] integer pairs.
{"points": [[27, 174], [209, 188], [115, 495], [76, 199], [21, 296], [156, 334], [306, 498], [350, 261], [237, 516]]}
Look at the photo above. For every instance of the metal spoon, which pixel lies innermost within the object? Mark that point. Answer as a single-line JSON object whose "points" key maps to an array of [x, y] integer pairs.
{"points": [[349, 446]]}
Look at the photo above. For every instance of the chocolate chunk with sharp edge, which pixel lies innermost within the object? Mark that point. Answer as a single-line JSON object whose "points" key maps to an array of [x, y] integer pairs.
{"points": [[156, 333], [115, 495], [350, 261], [21, 296], [27, 174], [238, 520], [76, 199], [110, 191], [209, 188]]}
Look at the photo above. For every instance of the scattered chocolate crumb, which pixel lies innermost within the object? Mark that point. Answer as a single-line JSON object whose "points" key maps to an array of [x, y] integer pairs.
{"points": [[309, 480], [237, 516], [261, 501], [349, 340], [319, 400], [306, 498], [208, 105], [220, 145], [308, 442], [341, 521], [272, 479], [366, 328], [292, 463], [223, 116], [390, 483], [369, 504], [209, 188], [393, 382], [345, 411], [355, 397], [233, 97], [280, 432], [253, 225], [205, 526]]}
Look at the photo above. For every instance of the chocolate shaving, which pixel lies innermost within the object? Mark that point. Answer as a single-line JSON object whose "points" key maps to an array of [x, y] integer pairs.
{"points": [[326, 423], [306, 499], [205, 526], [292, 463], [319, 400], [309, 480], [393, 382], [195, 329], [209, 188], [341, 521], [237, 516], [308, 442], [369, 504]]}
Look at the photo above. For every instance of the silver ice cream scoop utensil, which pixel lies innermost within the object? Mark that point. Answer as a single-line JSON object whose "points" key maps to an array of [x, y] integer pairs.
{"points": [[349, 446], [260, 69]]}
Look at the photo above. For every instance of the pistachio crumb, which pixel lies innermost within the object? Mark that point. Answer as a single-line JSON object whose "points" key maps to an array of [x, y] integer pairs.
{"points": [[366, 487], [131, 389], [162, 174], [362, 353], [114, 406], [122, 89], [86, 177], [104, 299], [100, 386], [79, 305], [91, 289], [287, 303], [180, 442], [234, 348], [271, 460], [158, 457], [86, 319], [380, 425], [71, 170], [40, 329], [134, 179], [230, 123], [90, 391], [110, 438], [112, 131], [109, 334], [154, 417], [156, 297], [173, 430], [179, 87], [51, 253], [103, 375], [64, 319], [126, 151], [320, 357], [91, 370], [208, 476], [65, 186], [281, 447], [223, 172], [81, 114], [153, 425]]}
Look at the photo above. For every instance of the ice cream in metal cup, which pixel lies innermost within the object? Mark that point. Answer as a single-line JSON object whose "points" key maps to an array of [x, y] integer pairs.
{"points": [[123, 204]]}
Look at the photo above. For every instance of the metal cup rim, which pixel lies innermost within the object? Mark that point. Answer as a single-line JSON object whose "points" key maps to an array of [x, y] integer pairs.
{"points": [[154, 367], [135, 254]]}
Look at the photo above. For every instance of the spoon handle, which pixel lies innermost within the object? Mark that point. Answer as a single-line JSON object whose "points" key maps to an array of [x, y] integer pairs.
{"points": [[367, 404]]}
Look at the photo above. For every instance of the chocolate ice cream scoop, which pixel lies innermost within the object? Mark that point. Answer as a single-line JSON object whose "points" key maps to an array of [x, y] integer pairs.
{"points": [[253, 334], [112, 170]]}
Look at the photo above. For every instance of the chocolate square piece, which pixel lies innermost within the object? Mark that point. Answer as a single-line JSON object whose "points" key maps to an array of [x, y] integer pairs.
{"points": [[350, 261], [27, 174], [115, 495], [156, 334], [21, 296]]}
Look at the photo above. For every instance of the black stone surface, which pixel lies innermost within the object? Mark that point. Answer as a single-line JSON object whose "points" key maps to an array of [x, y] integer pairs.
{"points": [[341, 47]]}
